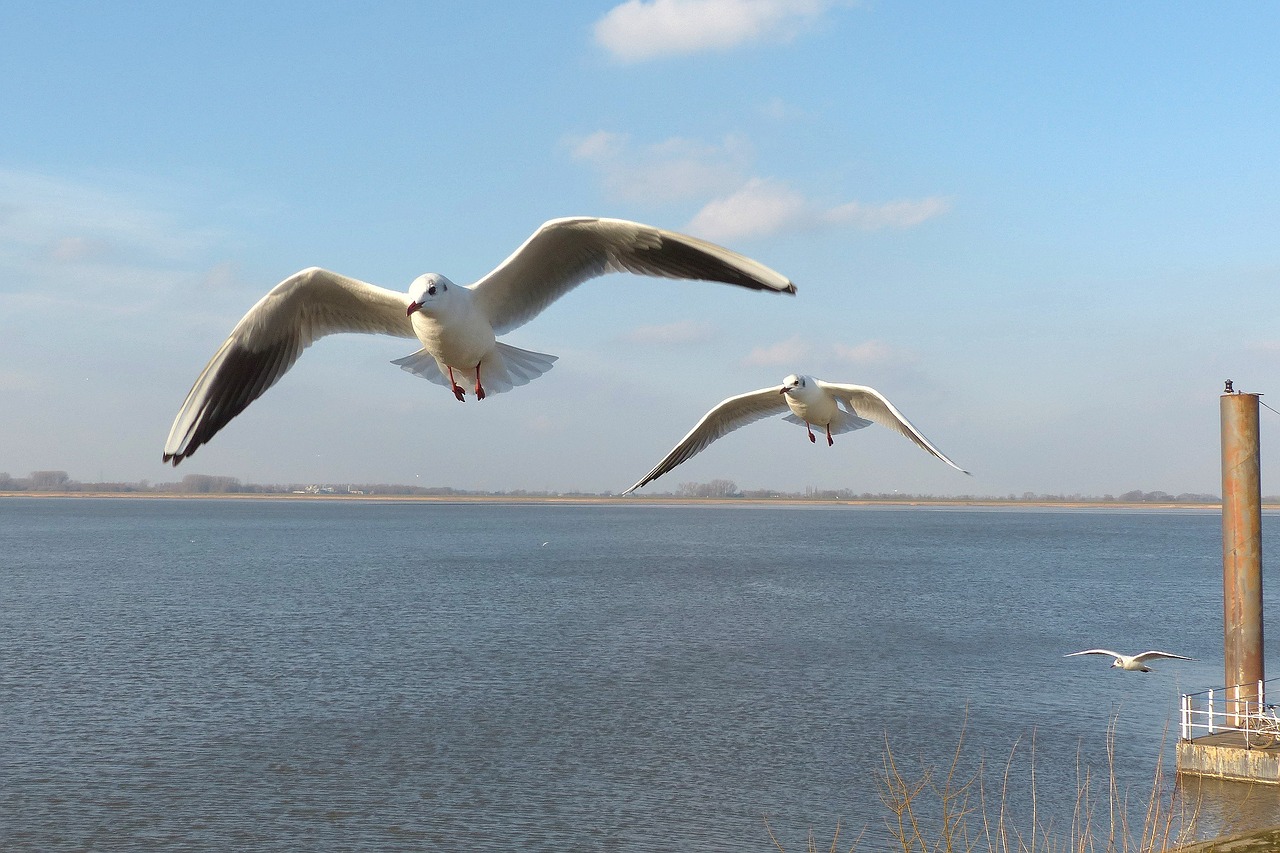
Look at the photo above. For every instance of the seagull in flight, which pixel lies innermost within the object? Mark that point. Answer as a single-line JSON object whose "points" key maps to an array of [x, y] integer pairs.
{"points": [[1133, 663], [457, 325], [838, 408]]}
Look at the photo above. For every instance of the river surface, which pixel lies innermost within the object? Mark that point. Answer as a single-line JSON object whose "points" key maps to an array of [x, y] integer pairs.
{"points": [[304, 675]]}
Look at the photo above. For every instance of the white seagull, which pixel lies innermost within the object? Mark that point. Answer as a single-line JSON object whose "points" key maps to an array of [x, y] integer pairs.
{"points": [[456, 325], [1133, 663], [839, 408]]}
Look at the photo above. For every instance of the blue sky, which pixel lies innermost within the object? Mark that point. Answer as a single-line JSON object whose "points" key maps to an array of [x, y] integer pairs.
{"points": [[1048, 234]]}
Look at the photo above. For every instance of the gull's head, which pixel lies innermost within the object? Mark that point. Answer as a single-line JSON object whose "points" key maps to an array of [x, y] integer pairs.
{"points": [[793, 383], [428, 292]]}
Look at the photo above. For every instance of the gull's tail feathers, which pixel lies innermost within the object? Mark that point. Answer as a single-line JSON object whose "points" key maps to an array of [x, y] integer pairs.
{"points": [[844, 422], [507, 368], [424, 364]]}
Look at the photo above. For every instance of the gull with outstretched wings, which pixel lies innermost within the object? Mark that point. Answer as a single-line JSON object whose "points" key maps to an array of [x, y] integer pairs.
{"points": [[1133, 663], [812, 402], [457, 325]]}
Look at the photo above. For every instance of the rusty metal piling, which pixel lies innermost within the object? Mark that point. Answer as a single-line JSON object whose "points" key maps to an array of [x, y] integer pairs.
{"points": [[1241, 549]]}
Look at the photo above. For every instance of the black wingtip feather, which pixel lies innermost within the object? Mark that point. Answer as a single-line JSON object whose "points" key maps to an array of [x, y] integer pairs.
{"points": [[242, 377], [674, 256]]}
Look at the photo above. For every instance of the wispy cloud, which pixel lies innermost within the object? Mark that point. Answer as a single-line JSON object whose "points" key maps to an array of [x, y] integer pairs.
{"points": [[788, 353], [872, 353], [57, 234], [638, 30], [776, 109], [79, 249], [797, 353], [543, 423], [17, 380], [680, 169], [675, 169], [57, 219], [683, 332], [765, 206]]}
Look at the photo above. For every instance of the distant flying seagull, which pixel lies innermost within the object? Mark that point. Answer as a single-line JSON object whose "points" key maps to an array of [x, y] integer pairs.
{"points": [[839, 408], [456, 324], [1133, 663]]}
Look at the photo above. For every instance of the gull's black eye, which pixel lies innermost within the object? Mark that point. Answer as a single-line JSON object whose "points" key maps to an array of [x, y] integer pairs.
{"points": [[431, 291]]}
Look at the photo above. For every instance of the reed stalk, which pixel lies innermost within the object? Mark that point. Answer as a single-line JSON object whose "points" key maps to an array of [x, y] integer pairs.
{"points": [[950, 810]]}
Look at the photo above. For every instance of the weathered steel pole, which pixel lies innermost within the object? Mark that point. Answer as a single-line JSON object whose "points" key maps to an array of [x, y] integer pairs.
{"points": [[1241, 549]]}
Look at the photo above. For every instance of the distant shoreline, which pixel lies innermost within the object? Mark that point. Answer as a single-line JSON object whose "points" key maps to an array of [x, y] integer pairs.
{"points": [[625, 501]]}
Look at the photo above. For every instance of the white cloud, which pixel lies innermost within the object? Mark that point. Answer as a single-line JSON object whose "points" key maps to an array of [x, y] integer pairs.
{"points": [[680, 169], [223, 276], [796, 353], [776, 109], [545, 424], [18, 380], [786, 354], [58, 235], [672, 170], [63, 220], [601, 146], [683, 332], [765, 206], [760, 207], [646, 29], [866, 353], [906, 213], [80, 249]]}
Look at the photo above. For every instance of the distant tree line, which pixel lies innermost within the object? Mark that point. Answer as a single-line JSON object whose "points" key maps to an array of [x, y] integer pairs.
{"points": [[208, 484], [714, 489], [729, 489]]}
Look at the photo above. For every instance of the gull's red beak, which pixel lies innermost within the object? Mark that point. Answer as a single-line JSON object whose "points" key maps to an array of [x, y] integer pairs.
{"points": [[782, 390], [413, 306]]}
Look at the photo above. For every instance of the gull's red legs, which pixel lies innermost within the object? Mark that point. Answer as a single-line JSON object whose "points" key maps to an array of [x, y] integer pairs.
{"points": [[479, 387], [457, 389], [810, 429], [830, 440]]}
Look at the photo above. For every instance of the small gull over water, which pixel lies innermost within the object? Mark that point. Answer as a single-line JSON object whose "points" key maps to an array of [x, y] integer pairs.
{"points": [[838, 408], [1133, 663], [456, 325]]}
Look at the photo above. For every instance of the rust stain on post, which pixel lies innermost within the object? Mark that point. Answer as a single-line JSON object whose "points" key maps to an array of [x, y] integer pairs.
{"points": [[1241, 547]]}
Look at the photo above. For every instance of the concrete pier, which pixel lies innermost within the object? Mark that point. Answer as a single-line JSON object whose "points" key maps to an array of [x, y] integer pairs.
{"points": [[1223, 756]]}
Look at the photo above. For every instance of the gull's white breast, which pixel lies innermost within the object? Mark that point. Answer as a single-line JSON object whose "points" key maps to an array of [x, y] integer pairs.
{"points": [[812, 405], [455, 331]]}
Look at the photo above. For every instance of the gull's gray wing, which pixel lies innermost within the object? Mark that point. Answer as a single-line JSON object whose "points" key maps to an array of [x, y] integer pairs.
{"points": [[1108, 652], [1152, 655], [267, 341], [871, 404], [723, 419], [563, 253]]}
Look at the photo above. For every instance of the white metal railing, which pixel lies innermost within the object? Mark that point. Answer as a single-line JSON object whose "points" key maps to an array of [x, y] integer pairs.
{"points": [[1212, 712]]}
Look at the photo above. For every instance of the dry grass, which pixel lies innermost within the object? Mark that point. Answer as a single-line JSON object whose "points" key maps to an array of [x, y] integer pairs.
{"points": [[951, 810], [811, 843]]}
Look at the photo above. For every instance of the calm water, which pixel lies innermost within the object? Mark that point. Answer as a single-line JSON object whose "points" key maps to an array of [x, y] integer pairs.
{"points": [[270, 675]]}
